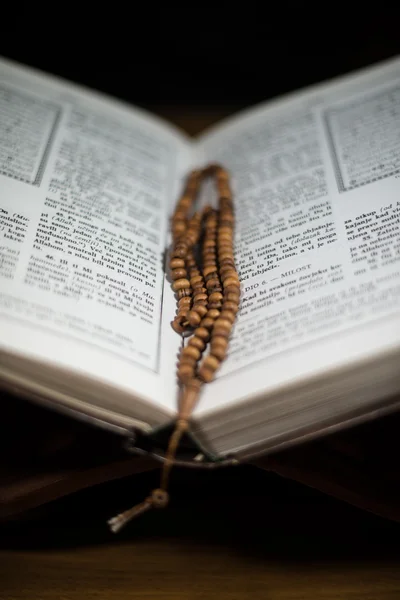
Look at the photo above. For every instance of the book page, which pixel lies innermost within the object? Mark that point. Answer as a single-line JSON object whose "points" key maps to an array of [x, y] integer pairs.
{"points": [[86, 189], [316, 181]]}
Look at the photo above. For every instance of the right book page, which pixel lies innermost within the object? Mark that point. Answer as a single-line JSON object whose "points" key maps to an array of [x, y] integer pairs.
{"points": [[316, 182]]}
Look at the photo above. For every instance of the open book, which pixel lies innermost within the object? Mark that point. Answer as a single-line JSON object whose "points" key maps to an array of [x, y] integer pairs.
{"points": [[87, 188]]}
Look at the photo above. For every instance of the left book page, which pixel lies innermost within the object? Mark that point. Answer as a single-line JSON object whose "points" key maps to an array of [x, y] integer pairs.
{"points": [[87, 185]]}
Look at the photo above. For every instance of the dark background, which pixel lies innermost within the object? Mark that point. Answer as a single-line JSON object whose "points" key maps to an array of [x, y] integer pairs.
{"points": [[200, 54]]}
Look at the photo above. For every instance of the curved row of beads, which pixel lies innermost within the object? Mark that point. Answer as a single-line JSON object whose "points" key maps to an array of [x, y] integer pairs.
{"points": [[226, 304], [208, 297]]}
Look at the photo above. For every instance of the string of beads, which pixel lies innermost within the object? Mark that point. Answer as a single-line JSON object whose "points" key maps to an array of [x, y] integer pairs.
{"points": [[207, 288], [208, 291]]}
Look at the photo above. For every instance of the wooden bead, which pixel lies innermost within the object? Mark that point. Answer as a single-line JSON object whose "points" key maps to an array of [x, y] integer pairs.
{"points": [[228, 315], [213, 313], [207, 375], [186, 360], [185, 202], [181, 284], [178, 274], [176, 326], [207, 323], [202, 303], [200, 290], [202, 333], [216, 305], [186, 301], [200, 309], [208, 270], [225, 256], [200, 297], [229, 273], [195, 280], [177, 263], [197, 343], [179, 215], [219, 352], [221, 331], [232, 296], [185, 373], [216, 297], [226, 217], [179, 252], [210, 362], [211, 284], [190, 261], [184, 292], [223, 323], [192, 352], [194, 318], [218, 340], [232, 281], [179, 228], [231, 306], [232, 288], [227, 260]]}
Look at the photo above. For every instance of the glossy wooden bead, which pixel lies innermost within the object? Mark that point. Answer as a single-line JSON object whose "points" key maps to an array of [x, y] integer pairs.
{"points": [[181, 284], [179, 228], [225, 257], [184, 292], [231, 306], [200, 290], [185, 359], [213, 313], [221, 331], [207, 322], [229, 273], [178, 274], [202, 333], [224, 323], [214, 305], [200, 297], [200, 309], [216, 297], [231, 288], [228, 315], [186, 301], [197, 343], [194, 318], [219, 352], [232, 296], [185, 372], [219, 340], [179, 252], [196, 280], [230, 280], [211, 362], [177, 263], [192, 352], [207, 375], [177, 327]]}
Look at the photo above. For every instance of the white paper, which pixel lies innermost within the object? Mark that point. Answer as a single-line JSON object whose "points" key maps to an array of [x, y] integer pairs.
{"points": [[318, 250], [86, 189]]}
